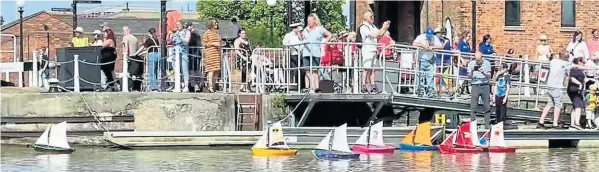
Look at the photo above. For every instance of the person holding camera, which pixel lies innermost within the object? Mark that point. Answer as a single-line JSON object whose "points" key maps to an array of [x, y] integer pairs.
{"points": [[479, 72], [578, 48], [180, 38]]}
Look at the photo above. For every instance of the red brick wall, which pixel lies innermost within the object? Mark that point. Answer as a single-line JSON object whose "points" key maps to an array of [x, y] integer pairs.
{"points": [[536, 17], [35, 38]]}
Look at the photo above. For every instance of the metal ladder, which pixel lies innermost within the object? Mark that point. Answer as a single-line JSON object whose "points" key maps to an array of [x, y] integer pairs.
{"points": [[248, 114]]}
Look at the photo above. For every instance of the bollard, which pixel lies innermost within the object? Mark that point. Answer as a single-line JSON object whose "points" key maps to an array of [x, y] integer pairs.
{"points": [[177, 69], [125, 73], [76, 73]]}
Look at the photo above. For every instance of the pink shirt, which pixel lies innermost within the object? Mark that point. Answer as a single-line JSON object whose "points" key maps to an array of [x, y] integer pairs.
{"points": [[593, 46]]}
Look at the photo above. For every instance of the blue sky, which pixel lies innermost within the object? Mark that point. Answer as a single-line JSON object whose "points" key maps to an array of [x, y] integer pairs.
{"points": [[9, 11]]}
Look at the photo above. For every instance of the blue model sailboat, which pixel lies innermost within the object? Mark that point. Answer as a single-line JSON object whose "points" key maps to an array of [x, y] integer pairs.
{"points": [[337, 148]]}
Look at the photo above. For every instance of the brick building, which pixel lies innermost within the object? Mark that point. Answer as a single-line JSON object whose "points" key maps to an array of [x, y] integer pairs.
{"points": [[60, 33], [511, 24]]}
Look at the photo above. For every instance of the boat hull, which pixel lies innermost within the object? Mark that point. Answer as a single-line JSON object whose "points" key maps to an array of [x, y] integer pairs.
{"points": [[410, 147], [52, 149], [273, 152], [363, 149], [497, 149], [451, 149], [325, 154]]}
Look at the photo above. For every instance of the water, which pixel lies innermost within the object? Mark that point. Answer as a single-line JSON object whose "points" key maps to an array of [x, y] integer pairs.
{"points": [[18, 158]]}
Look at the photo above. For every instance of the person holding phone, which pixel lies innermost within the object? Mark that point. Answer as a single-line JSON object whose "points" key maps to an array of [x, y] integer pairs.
{"points": [[370, 34]]}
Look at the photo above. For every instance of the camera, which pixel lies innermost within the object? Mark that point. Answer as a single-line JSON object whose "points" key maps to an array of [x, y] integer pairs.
{"points": [[477, 67]]}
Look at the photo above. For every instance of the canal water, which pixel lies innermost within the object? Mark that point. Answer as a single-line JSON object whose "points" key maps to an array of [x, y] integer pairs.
{"points": [[21, 159]]}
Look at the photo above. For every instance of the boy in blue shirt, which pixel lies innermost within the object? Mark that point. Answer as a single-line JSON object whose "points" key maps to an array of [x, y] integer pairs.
{"points": [[501, 91]]}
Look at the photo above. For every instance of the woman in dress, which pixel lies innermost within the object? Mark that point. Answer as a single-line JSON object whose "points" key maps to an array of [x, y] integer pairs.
{"points": [[108, 54], [242, 49], [212, 47]]}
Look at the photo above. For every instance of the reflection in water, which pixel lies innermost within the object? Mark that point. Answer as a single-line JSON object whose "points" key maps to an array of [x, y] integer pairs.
{"points": [[53, 162], [21, 159], [497, 161], [418, 161], [334, 165], [260, 163]]}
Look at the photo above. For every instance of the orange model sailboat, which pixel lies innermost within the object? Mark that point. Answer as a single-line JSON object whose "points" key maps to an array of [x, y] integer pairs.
{"points": [[272, 143], [419, 139]]}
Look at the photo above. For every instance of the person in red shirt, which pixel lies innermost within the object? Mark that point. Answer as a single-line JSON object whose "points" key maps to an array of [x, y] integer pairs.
{"points": [[386, 40]]}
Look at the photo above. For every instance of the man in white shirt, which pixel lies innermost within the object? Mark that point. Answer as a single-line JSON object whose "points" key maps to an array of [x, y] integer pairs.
{"points": [[370, 35], [293, 41], [427, 42]]}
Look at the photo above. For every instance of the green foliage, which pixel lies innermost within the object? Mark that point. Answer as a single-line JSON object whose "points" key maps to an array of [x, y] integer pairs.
{"points": [[260, 20], [279, 101]]}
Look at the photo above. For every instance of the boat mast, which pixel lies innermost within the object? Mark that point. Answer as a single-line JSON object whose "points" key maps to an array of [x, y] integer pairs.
{"points": [[268, 137], [414, 136], [368, 135], [49, 131], [331, 140]]}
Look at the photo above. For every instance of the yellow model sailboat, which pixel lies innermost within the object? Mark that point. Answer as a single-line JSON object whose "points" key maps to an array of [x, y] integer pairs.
{"points": [[272, 143], [418, 139]]}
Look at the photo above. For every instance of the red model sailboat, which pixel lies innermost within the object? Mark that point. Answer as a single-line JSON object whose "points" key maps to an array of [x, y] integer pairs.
{"points": [[463, 141], [495, 139]]}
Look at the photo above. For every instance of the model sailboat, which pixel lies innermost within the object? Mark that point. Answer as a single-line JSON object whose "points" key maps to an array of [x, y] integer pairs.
{"points": [[371, 141], [272, 143], [495, 139], [337, 148], [54, 139], [464, 140], [419, 139]]}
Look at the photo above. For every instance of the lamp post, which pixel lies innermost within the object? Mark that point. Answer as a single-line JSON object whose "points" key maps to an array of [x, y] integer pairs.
{"points": [[473, 25], [271, 3], [20, 5]]}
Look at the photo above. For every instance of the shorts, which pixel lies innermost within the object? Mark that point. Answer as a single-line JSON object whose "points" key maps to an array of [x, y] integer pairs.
{"points": [[368, 59], [556, 97], [577, 100], [308, 61]]}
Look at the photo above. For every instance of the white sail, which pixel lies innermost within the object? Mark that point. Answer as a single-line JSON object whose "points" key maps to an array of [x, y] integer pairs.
{"points": [[261, 142], [362, 139], [324, 144], [376, 134], [276, 138], [43, 140], [474, 133], [340, 139], [58, 136], [448, 30], [496, 135]]}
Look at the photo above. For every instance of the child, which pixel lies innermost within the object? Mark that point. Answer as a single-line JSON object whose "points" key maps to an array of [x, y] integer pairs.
{"points": [[591, 100], [501, 91]]}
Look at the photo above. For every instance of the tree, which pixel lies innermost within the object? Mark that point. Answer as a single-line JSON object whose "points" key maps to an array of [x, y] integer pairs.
{"points": [[259, 19]]}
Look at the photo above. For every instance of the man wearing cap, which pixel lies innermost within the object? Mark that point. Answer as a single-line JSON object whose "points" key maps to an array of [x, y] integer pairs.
{"points": [[292, 40], [427, 43], [79, 40]]}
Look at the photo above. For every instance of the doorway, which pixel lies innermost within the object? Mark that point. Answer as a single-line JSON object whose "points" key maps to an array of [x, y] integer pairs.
{"points": [[404, 17]]}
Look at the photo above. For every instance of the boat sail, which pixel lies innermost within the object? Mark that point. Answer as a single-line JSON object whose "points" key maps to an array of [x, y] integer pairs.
{"points": [[371, 141], [54, 139], [495, 139], [272, 143], [418, 139], [335, 148]]}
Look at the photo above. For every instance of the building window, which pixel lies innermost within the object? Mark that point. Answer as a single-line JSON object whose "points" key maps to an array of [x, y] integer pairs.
{"points": [[512, 13], [568, 13]]}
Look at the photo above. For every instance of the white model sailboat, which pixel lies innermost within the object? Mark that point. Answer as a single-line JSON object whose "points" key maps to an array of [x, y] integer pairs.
{"points": [[337, 148], [371, 141], [54, 139], [272, 143], [496, 139]]}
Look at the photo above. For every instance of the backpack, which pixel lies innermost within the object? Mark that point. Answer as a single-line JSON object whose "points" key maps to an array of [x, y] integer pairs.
{"points": [[359, 36]]}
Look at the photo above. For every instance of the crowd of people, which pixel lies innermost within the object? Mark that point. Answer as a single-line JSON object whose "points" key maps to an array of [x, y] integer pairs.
{"points": [[321, 61]]}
